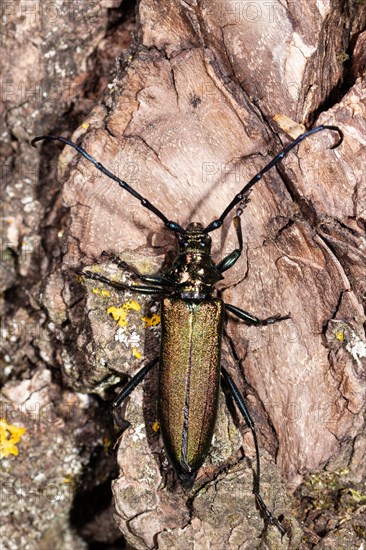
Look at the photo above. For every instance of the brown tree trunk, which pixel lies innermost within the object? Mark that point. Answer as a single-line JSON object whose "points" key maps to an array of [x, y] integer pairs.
{"points": [[186, 119]]}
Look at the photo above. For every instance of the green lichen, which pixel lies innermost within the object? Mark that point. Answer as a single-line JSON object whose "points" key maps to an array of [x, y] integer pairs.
{"points": [[342, 56]]}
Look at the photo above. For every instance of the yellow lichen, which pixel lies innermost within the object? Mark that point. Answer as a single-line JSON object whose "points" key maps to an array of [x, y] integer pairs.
{"points": [[156, 426], [107, 442], [119, 314], [9, 437], [339, 334], [292, 128], [136, 353], [151, 321], [85, 125], [132, 304], [104, 293], [71, 482]]}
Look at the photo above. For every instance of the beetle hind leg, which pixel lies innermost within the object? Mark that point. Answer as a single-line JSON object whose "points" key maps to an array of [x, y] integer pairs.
{"points": [[135, 381], [239, 400]]}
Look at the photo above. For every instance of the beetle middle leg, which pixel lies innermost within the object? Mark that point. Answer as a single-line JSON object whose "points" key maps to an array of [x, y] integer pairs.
{"points": [[252, 319], [239, 400]]}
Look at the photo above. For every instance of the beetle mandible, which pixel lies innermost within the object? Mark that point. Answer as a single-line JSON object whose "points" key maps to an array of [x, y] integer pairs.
{"points": [[192, 326]]}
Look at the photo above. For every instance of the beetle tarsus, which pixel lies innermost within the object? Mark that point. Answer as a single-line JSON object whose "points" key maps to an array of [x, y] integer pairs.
{"points": [[268, 516], [275, 319]]}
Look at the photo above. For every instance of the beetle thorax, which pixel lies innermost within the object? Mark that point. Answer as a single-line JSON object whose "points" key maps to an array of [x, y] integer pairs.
{"points": [[193, 269]]}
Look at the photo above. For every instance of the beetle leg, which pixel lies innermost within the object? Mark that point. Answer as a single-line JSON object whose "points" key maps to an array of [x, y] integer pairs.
{"points": [[231, 258], [252, 319], [135, 380], [239, 400], [153, 279], [142, 289]]}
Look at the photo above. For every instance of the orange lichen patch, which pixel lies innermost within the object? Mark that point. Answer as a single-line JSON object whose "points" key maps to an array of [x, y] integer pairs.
{"points": [[119, 314], [9, 437], [151, 321], [136, 353], [156, 426]]}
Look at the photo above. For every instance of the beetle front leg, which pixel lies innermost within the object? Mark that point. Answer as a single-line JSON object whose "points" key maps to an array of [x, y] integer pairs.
{"points": [[142, 289], [153, 279], [239, 400], [231, 258], [252, 319]]}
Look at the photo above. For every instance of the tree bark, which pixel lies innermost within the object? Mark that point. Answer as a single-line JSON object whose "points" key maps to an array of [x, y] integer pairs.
{"points": [[187, 120]]}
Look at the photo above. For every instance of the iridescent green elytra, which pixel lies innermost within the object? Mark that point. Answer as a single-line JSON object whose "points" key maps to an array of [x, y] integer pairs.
{"points": [[189, 380]]}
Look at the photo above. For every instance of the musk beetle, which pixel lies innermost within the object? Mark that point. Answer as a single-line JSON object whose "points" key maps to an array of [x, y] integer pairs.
{"points": [[192, 325]]}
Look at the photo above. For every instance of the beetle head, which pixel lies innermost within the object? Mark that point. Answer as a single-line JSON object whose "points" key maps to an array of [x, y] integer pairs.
{"points": [[195, 239]]}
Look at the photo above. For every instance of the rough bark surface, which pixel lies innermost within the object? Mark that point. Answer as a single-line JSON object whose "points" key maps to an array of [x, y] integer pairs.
{"points": [[187, 119]]}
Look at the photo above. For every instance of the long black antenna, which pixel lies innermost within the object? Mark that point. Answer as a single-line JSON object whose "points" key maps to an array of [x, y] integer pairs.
{"points": [[239, 197], [169, 224]]}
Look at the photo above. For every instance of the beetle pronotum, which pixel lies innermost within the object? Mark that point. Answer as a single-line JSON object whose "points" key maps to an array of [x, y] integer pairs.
{"points": [[192, 325]]}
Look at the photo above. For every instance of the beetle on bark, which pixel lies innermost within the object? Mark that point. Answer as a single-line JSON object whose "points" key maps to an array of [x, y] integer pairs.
{"points": [[192, 325]]}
